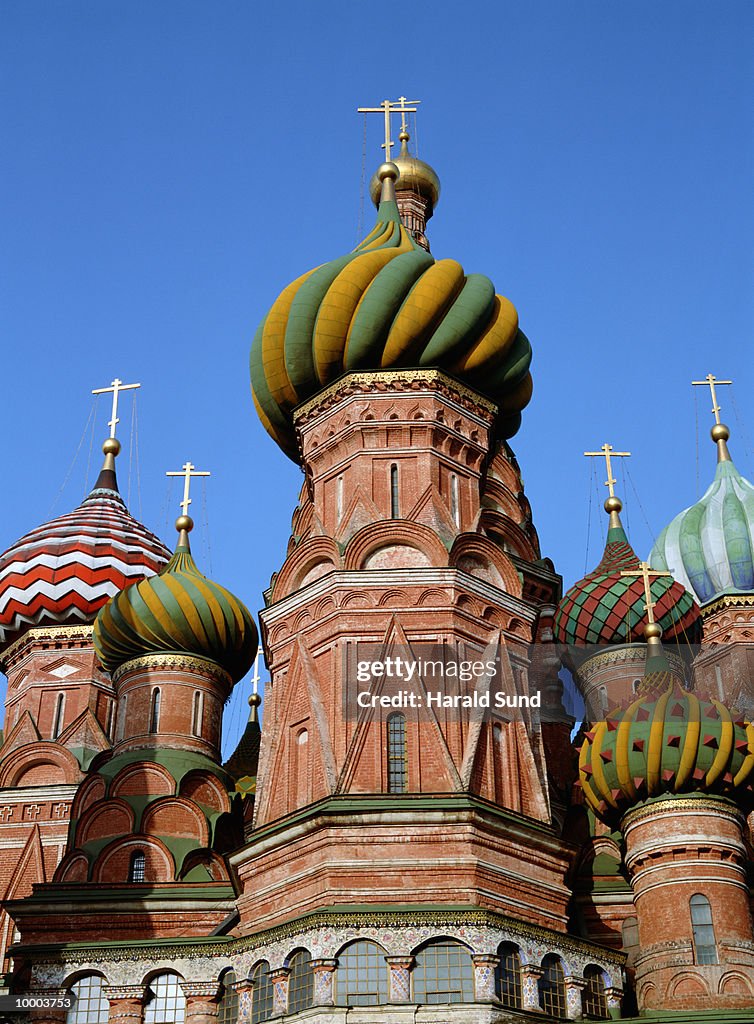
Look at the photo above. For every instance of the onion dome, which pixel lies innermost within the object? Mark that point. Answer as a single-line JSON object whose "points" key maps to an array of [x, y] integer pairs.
{"points": [[179, 611], [709, 547], [243, 763], [66, 570], [387, 304], [415, 176], [606, 607], [668, 741]]}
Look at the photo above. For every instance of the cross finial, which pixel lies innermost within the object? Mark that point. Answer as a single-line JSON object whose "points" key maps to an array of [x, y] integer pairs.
{"points": [[187, 472], [116, 387], [710, 380], [647, 573], [386, 108], [608, 452]]}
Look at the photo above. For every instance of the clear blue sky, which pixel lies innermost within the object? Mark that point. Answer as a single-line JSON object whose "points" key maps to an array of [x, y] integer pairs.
{"points": [[167, 167]]}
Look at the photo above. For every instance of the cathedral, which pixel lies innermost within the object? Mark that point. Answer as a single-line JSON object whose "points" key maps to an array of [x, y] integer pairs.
{"points": [[414, 827]]}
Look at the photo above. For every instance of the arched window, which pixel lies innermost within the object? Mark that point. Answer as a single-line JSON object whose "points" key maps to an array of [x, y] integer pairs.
{"points": [[397, 761], [261, 993], [300, 981], [603, 699], [154, 714], [551, 987], [91, 1006], [166, 1003], [394, 496], [137, 868], [57, 724], [705, 948], [121, 719], [508, 976], [593, 998], [443, 974], [361, 977], [454, 510], [630, 932], [110, 719], [227, 1011], [197, 713]]}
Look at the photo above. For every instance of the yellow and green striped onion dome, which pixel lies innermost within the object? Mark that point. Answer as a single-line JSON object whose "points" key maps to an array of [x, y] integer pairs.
{"points": [[673, 744], [179, 611], [608, 608], [387, 304], [709, 547]]}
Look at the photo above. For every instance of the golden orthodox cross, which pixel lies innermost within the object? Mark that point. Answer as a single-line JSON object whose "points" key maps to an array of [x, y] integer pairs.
{"points": [[607, 451], [187, 472], [388, 107], [711, 381], [116, 387], [647, 573]]}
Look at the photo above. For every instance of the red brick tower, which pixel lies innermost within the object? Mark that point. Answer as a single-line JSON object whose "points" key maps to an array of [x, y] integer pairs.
{"points": [[60, 706]]}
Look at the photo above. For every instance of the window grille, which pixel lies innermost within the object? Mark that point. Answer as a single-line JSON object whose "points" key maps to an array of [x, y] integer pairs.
{"points": [[361, 978], [397, 760], [197, 713], [300, 982], [227, 1011], [261, 994], [166, 1003], [91, 1006], [443, 974], [704, 931], [137, 869], [394, 503], [593, 998], [154, 717], [508, 976], [552, 987]]}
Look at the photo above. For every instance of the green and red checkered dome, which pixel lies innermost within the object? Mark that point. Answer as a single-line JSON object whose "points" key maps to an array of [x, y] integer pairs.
{"points": [[607, 608]]}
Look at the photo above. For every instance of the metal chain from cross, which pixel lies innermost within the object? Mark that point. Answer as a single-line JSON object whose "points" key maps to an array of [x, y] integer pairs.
{"points": [[608, 453], [116, 387], [647, 573], [187, 472], [710, 380], [386, 108]]}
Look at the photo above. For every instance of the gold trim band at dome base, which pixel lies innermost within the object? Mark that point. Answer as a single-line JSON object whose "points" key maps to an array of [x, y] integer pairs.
{"points": [[720, 805], [180, 662], [618, 655]]}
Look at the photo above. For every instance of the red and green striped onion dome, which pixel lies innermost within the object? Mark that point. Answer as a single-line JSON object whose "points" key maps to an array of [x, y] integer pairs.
{"points": [[179, 611], [387, 304], [64, 571], [672, 744], [608, 608]]}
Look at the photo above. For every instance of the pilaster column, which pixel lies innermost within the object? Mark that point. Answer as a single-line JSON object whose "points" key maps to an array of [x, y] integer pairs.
{"points": [[243, 991], [126, 1003], [530, 975], [400, 978], [324, 976], [44, 1014], [614, 997], [202, 998], [484, 976], [573, 989], [279, 979]]}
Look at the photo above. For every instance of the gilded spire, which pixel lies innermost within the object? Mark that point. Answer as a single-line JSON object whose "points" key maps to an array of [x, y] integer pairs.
{"points": [[613, 504], [719, 432], [111, 446], [184, 524]]}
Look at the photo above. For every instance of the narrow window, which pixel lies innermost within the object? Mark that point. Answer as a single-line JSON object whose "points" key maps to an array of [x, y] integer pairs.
{"points": [[121, 726], [603, 699], [719, 680], [630, 933], [339, 496], [508, 976], [593, 998], [57, 724], [394, 509], [261, 993], [227, 1011], [110, 719], [397, 762], [704, 930], [154, 715], [551, 987], [197, 713], [454, 499], [137, 868], [300, 982]]}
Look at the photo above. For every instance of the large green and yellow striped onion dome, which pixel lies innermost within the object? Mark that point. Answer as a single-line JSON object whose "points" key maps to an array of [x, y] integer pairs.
{"points": [[179, 611], [673, 744], [387, 304]]}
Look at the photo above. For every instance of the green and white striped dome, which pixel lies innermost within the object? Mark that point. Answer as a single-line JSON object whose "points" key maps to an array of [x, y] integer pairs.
{"points": [[709, 547]]}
